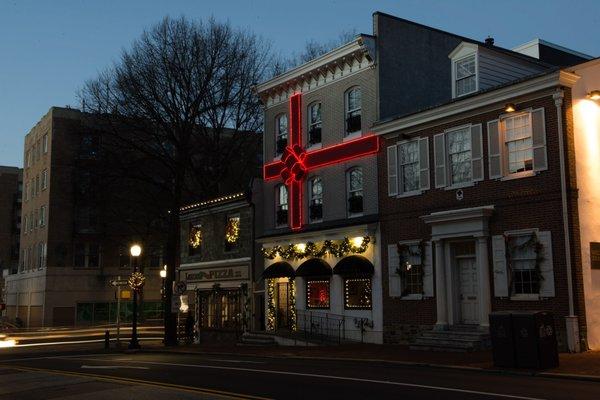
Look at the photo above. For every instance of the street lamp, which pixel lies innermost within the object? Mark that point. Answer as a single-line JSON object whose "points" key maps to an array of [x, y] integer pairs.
{"points": [[135, 251]]}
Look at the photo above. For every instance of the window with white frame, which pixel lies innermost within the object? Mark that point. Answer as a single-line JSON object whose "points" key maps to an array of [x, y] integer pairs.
{"points": [[314, 123], [281, 134], [523, 258], [281, 205], [408, 163], [355, 191], [44, 179], [459, 155], [411, 268], [45, 143], [465, 77], [42, 215], [315, 205], [353, 111], [25, 222], [518, 142], [26, 192]]}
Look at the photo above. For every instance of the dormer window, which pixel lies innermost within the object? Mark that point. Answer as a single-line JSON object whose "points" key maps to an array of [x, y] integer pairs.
{"points": [[465, 75]]}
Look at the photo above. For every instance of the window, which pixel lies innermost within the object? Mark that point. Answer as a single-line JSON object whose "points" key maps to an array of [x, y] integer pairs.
{"points": [[518, 142], [86, 255], [26, 192], [525, 277], [25, 225], [281, 134], [44, 179], [411, 269], [195, 239], [409, 166], [357, 293], [314, 123], [42, 215], [281, 207], [232, 232], [89, 146], [315, 205], [317, 293], [45, 143], [465, 78], [353, 111], [355, 191], [28, 158], [42, 255], [459, 155]]}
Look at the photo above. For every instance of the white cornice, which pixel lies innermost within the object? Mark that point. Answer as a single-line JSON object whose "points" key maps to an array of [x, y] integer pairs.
{"points": [[501, 95], [458, 215]]}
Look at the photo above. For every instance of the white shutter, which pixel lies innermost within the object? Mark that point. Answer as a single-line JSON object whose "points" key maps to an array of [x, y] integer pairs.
{"points": [[494, 149], [424, 162], [538, 139], [392, 161], [428, 271], [499, 265], [439, 155], [476, 153], [546, 265], [393, 264]]}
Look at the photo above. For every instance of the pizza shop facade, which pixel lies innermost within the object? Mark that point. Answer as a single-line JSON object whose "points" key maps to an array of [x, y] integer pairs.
{"points": [[326, 285]]}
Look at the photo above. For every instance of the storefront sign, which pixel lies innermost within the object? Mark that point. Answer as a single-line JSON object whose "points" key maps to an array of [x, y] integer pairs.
{"points": [[595, 255], [218, 274]]}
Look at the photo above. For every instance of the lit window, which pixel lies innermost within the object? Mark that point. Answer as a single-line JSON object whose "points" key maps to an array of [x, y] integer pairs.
{"points": [[281, 134], [353, 111], [409, 166], [355, 191], [411, 269], [317, 293], [281, 205], [519, 146], [315, 199], [465, 79], [195, 239], [232, 232], [357, 293], [459, 155], [314, 123]]}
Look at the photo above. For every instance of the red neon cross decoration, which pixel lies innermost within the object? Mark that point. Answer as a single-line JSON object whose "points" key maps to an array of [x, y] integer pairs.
{"points": [[296, 162]]}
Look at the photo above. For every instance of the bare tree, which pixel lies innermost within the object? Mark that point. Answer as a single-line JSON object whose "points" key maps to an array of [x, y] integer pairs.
{"points": [[313, 48], [179, 109]]}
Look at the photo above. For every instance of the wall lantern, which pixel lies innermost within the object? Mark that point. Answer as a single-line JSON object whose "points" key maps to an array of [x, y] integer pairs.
{"points": [[594, 95], [510, 107]]}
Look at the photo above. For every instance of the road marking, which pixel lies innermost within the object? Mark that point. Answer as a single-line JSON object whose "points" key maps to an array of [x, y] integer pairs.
{"points": [[335, 377], [112, 367], [76, 342], [234, 361], [118, 379]]}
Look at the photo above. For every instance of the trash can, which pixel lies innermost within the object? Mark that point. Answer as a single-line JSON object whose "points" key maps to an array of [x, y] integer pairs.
{"points": [[503, 342], [535, 339]]}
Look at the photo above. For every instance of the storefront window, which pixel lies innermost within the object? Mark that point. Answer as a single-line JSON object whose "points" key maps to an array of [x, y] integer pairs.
{"points": [[317, 293], [357, 293]]}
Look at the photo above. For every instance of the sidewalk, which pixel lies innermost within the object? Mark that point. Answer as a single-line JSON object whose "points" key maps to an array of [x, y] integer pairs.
{"points": [[585, 365]]}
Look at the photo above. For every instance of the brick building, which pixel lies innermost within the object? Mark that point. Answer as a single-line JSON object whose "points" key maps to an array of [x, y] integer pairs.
{"points": [[11, 187]]}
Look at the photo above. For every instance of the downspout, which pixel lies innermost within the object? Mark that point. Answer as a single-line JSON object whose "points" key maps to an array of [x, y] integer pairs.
{"points": [[571, 319]]}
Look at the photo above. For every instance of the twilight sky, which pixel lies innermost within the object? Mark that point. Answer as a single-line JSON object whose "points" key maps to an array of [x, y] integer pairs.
{"points": [[49, 48]]}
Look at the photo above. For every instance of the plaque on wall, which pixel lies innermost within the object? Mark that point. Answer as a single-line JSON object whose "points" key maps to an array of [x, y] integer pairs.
{"points": [[595, 255]]}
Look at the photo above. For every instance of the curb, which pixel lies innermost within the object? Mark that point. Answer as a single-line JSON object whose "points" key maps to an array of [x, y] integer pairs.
{"points": [[552, 375]]}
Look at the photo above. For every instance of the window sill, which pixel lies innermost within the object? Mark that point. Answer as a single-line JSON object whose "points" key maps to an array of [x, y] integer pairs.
{"points": [[314, 146], [519, 175], [355, 215], [315, 221], [412, 297], [525, 297], [277, 157], [352, 136], [410, 194], [460, 186]]}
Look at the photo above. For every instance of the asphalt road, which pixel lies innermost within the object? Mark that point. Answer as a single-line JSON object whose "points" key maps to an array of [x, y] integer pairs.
{"points": [[179, 376]]}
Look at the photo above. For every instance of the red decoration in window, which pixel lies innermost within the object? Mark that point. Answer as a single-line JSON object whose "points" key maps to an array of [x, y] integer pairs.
{"points": [[296, 162]]}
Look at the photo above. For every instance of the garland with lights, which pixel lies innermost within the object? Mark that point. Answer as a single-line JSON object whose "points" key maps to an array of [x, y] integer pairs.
{"points": [[271, 310], [232, 230], [534, 243], [136, 281], [292, 320], [195, 239], [310, 249]]}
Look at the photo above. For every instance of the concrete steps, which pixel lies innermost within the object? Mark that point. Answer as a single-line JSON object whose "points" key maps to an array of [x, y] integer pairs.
{"points": [[257, 339], [453, 340]]}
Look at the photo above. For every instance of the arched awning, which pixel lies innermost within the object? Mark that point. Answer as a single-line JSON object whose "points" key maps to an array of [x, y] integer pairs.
{"points": [[314, 267], [354, 266], [280, 269]]}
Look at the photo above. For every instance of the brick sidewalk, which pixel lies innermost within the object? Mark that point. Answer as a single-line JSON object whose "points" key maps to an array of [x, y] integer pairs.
{"points": [[587, 363]]}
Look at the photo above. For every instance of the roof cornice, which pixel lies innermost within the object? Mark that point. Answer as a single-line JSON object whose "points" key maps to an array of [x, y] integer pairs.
{"points": [[558, 78]]}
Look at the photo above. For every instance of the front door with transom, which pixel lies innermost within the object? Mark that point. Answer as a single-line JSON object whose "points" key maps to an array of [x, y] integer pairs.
{"points": [[468, 287], [283, 305]]}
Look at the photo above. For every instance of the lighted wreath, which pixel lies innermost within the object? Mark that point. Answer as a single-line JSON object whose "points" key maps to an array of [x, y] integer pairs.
{"points": [[195, 239], [136, 281], [232, 230]]}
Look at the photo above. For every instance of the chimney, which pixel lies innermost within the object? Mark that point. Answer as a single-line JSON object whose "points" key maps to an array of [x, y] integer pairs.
{"points": [[489, 41]]}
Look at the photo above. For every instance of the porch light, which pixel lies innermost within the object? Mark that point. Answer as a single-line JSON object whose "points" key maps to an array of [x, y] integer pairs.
{"points": [[163, 272], [357, 241], [510, 107], [594, 95], [300, 247], [135, 250]]}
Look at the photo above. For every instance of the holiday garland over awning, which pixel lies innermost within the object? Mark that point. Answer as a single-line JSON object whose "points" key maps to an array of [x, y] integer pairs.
{"points": [[311, 249]]}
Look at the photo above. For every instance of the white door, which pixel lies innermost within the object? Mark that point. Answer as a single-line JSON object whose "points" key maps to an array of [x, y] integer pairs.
{"points": [[468, 289]]}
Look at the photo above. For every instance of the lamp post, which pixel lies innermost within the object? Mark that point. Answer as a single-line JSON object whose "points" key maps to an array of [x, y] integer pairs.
{"points": [[135, 251]]}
